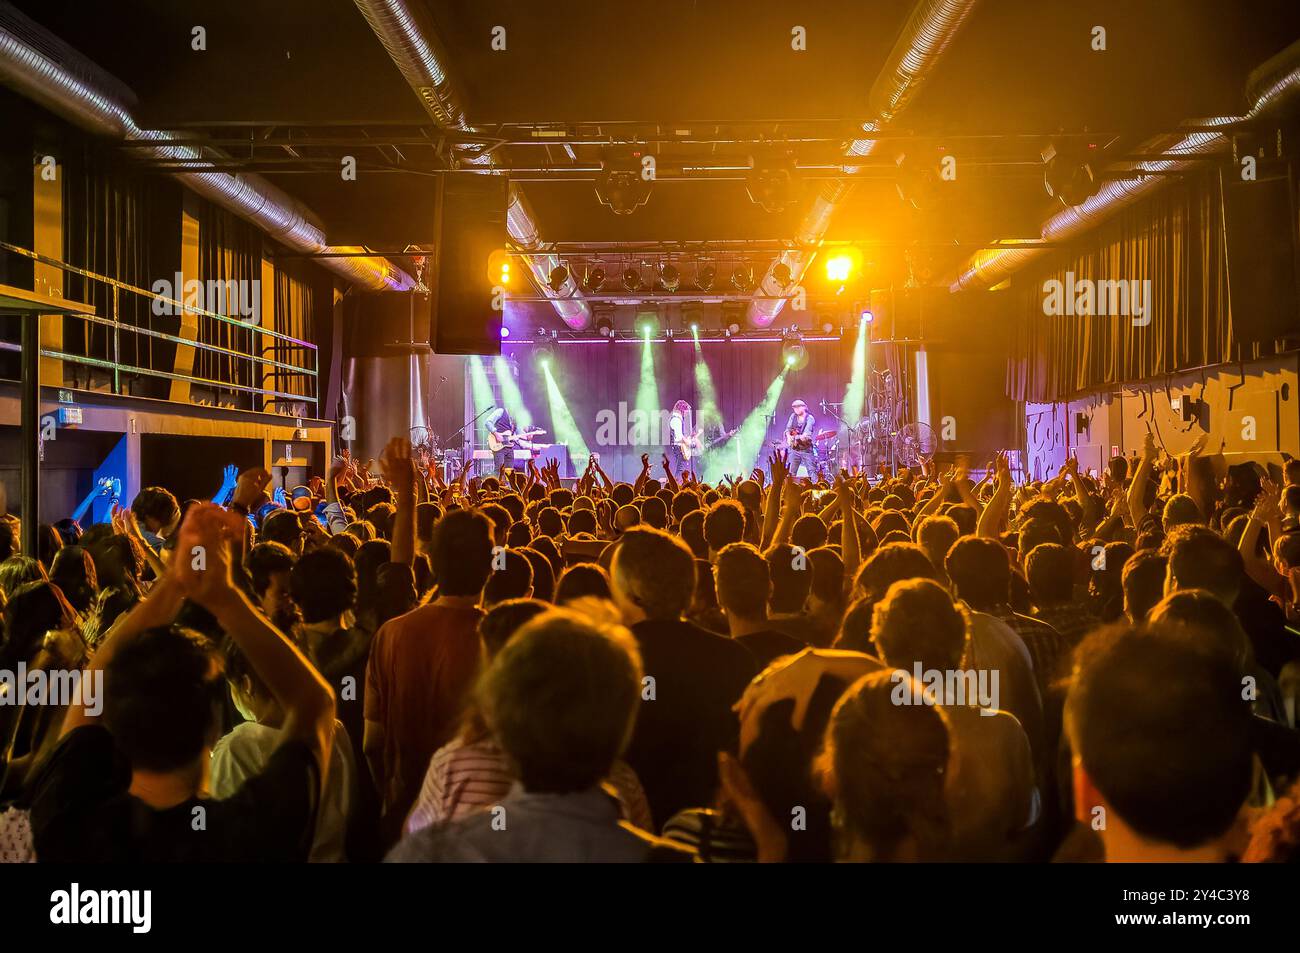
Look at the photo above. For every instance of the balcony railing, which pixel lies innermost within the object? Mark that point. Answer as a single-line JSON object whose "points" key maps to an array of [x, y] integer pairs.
{"points": [[302, 378]]}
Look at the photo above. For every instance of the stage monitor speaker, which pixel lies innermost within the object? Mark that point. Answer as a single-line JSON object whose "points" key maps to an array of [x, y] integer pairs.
{"points": [[467, 309], [1259, 234]]}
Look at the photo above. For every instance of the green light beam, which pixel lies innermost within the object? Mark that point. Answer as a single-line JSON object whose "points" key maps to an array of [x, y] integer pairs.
{"points": [[566, 428], [510, 394], [648, 408], [709, 415], [749, 450], [481, 390], [856, 394]]}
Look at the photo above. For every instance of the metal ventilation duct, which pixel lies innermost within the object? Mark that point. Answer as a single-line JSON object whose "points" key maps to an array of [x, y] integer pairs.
{"points": [[48, 71], [408, 33], [929, 29], [1270, 87]]}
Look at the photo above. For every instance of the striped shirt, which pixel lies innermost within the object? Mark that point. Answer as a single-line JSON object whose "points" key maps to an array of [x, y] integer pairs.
{"points": [[465, 778]]}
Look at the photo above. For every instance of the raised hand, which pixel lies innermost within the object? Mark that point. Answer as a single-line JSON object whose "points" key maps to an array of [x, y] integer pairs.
{"points": [[792, 495], [201, 564], [1003, 470], [398, 465]]}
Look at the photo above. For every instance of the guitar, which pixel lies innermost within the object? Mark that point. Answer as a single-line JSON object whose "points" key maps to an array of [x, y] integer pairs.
{"points": [[796, 441], [499, 441], [689, 446], [721, 438]]}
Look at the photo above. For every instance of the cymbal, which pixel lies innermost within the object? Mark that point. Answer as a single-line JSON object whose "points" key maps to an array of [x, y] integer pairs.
{"points": [[825, 435]]}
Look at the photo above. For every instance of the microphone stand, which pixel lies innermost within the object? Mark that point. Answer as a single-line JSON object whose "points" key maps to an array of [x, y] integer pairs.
{"points": [[457, 433]]}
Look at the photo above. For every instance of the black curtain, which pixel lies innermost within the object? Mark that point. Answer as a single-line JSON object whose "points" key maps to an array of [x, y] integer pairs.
{"points": [[125, 225], [1174, 240], [297, 314], [230, 249]]}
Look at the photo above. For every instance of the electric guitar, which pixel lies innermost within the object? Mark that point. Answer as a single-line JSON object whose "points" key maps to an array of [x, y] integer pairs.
{"points": [[499, 441], [689, 446], [721, 438]]}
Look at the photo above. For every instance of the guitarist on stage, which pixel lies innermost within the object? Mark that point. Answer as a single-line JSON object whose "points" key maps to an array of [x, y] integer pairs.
{"points": [[799, 432], [500, 423], [684, 438]]}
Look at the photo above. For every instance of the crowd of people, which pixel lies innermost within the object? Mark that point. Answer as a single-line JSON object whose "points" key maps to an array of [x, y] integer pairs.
{"points": [[903, 667]]}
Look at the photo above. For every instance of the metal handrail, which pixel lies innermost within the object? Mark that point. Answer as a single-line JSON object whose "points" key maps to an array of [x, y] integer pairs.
{"points": [[309, 370], [166, 375]]}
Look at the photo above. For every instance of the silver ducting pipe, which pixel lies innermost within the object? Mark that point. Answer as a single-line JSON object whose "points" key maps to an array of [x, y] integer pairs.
{"points": [[1270, 87], [930, 28], [42, 67], [410, 37]]}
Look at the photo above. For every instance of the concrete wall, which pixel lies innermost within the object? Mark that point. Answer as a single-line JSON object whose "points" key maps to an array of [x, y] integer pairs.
{"points": [[1250, 410]]}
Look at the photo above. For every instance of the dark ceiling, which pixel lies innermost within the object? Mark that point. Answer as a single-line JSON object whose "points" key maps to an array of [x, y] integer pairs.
{"points": [[1019, 71]]}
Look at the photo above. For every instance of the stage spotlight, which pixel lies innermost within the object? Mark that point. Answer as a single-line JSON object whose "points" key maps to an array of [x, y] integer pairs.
{"points": [[544, 354], [827, 327], [1068, 172], [498, 272], [604, 326], [733, 328], [770, 183], [867, 316], [595, 280], [559, 275], [841, 265], [620, 184], [647, 323], [505, 331], [794, 353], [781, 274], [631, 279], [669, 277], [742, 280], [705, 276]]}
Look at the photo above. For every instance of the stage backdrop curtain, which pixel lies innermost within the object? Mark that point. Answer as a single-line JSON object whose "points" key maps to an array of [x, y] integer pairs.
{"points": [[230, 249], [124, 224], [295, 315], [595, 378], [1174, 240]]}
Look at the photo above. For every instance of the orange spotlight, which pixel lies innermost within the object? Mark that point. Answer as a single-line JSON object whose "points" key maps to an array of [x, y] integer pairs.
{"points": [[841, 264], [499, 268]]}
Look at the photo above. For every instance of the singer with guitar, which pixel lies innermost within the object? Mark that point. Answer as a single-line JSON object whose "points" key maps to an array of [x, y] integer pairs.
{"points": [[684, 438], [800, 429], [502, 438]]}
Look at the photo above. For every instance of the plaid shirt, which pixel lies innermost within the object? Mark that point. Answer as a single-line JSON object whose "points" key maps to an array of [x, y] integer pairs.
{"points": [[1048, 648], [1072, 620]]}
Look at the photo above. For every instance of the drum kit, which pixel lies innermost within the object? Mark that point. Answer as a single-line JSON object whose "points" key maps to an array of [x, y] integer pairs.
{"points": [[880, 437]]}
